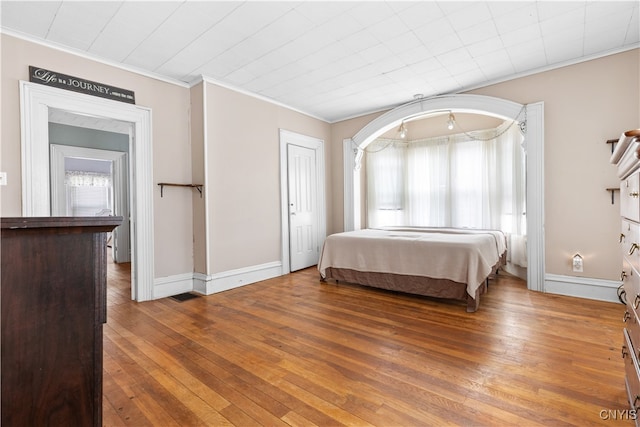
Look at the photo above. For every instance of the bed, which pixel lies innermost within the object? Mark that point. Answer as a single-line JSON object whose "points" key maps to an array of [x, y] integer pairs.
{"points": [[447, 263]]}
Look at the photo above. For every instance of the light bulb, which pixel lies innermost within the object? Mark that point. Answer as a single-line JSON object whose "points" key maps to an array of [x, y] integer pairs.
{"points": [[451, 121], [403, 131]]}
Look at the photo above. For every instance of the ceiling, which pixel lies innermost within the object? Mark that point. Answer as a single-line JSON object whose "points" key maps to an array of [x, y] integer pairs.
{"points": [[331, 60]]}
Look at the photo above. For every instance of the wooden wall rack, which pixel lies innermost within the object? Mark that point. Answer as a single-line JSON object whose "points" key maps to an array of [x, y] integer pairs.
{"points": [[170, 184]]}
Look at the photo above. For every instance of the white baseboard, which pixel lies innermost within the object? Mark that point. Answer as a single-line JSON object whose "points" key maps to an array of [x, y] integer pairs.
{"points": [[583, 287], [172, 285], [230, 279]]}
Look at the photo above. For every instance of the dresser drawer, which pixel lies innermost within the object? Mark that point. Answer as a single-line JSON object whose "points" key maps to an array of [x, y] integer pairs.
{"points": [[630, 242], [632, 325], [631, 369], [631, 281], [629, 197]]}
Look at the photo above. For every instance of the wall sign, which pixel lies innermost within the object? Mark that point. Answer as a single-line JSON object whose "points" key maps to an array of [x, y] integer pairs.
{"points": [[63, 81]]}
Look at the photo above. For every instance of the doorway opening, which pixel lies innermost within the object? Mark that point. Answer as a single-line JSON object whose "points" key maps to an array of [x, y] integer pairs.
{"points": [[91, 182], [37, 103]]}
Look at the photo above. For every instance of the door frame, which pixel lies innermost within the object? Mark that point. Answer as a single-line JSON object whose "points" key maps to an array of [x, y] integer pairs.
{"points": [[120, 185], [35, 101], [291, 138]]}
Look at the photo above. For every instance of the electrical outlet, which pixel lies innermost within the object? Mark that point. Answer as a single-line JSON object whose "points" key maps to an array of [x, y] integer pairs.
{"points": [[578, 264]]}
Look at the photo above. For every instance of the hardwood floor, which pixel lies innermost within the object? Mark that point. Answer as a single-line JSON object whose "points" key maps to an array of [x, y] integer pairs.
{"points": [[295, 351]]}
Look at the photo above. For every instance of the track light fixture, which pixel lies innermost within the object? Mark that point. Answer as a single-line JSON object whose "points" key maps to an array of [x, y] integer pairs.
{"points": [[451, 122], [403, 131]]}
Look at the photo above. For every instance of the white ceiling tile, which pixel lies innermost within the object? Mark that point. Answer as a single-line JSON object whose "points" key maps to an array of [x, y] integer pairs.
{"points": [[376, 54], [338, 28], [420, 13], [499, 8], [415, 56], [327, 55], [477, 33], [495, 65], [434, 31], [239, 77], [470, 15], [404, 42], [633, 29], [41, 14], [359, 41], [370, 13], [558, 23], [517, 18], [320, 12], [391, 28], [567, 50], [521, 35], [499, 60], [390, 64], [77, 24], [254, 16], [597, 42], [448, 43], [451, 7], [454, 57], [188, 22], [129, 27], [351, 62], [470, 78], [279, 32], [528, 55], [601, 10], [549, 9], [617, 21], [486, 46], [426, 66]]}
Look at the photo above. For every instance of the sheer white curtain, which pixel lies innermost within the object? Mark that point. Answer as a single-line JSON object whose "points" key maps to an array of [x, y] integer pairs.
{"points": [[385, 187], [88, 193], [454, 181]]}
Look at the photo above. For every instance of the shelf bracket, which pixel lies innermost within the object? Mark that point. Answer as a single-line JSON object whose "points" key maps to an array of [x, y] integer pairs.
{"points": [[170, 184]]}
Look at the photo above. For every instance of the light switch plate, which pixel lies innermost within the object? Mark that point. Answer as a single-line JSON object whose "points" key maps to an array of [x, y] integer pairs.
{"points": [[3, 178]]}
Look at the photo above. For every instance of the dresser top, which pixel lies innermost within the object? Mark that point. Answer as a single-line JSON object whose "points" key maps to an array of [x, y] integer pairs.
{"points": [[59, 222]]}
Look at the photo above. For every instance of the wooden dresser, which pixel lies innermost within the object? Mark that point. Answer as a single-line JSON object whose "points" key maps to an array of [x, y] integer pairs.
{"points": [[53, 293], [626, 157]]}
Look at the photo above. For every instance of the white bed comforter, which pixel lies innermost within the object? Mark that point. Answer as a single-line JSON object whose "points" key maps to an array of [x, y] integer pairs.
{"points": [[462, 255]]}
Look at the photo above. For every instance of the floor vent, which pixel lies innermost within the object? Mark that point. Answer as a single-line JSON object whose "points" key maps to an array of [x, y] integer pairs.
{"points": [[184, 297]]}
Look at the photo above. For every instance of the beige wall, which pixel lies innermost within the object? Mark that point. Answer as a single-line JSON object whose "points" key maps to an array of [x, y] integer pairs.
{"points": [[243, 163], [173, 245], [198, 177], [584, 105]]}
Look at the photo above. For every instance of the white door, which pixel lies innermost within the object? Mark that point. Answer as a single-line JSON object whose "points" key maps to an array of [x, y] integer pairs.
{"points": [[303, 207]]}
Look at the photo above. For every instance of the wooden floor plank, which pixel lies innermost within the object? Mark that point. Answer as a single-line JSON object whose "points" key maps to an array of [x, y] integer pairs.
{"points": [[296, 351]]}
